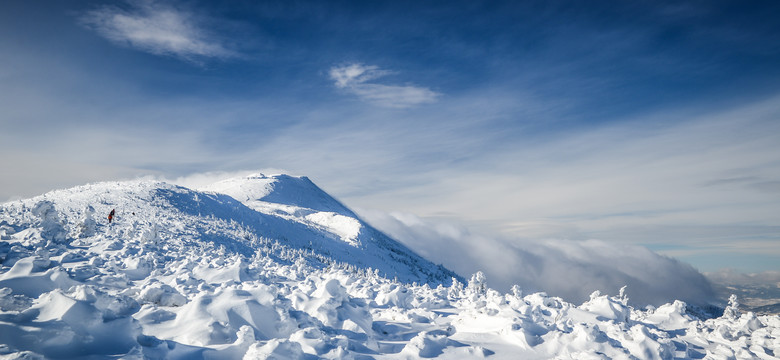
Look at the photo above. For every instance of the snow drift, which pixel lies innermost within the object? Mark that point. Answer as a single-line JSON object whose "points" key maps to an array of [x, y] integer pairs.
{"points": [[272, 267]]}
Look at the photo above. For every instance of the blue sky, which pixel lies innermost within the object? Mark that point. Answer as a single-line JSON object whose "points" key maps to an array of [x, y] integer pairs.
{"points": [[647, 122]]}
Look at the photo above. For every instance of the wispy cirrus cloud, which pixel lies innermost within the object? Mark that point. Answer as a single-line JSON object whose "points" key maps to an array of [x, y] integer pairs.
{"points": [[357, 79], [156, 28]]}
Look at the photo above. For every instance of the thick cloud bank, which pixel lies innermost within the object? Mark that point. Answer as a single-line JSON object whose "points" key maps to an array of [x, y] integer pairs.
{"points": [[569, 269]]}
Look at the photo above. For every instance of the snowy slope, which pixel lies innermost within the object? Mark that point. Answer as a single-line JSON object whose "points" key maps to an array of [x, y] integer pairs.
{"points": [[299, 202], [272, 267], [296, 192], [327, 228]]}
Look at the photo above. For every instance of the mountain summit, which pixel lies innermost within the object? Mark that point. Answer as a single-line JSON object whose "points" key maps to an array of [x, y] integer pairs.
{"points": [[282, 189], [328, 226]]}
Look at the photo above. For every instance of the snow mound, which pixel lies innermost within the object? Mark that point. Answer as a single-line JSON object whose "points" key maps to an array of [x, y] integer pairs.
{"points": [[296, 199], [185, 274], [293, 191]]}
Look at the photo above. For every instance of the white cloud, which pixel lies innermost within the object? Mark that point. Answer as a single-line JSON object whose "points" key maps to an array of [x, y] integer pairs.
{"points": [[156, 28], [355, 78], [569, 269], [349, 75]]}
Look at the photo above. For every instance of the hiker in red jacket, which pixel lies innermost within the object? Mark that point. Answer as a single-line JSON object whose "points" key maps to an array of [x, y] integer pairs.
{"points": [[111, 215]]}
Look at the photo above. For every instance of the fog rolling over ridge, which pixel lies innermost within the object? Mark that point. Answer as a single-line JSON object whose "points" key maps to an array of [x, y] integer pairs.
{"points": [[570, 269]]}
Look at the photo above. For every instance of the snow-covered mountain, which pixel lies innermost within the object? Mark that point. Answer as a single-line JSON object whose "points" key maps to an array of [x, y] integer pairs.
{"points": [[273, 267], [306, 217], [289, 214]]}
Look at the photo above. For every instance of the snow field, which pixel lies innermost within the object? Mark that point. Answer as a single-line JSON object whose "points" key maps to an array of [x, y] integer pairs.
{"points": [[212, 279]]}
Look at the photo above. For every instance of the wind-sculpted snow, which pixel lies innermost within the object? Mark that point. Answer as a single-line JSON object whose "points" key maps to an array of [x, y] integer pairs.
{"points": [[194, 275]]}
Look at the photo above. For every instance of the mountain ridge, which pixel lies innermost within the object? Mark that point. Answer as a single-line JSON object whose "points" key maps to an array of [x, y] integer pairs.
{"points": [[273, 207]]}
